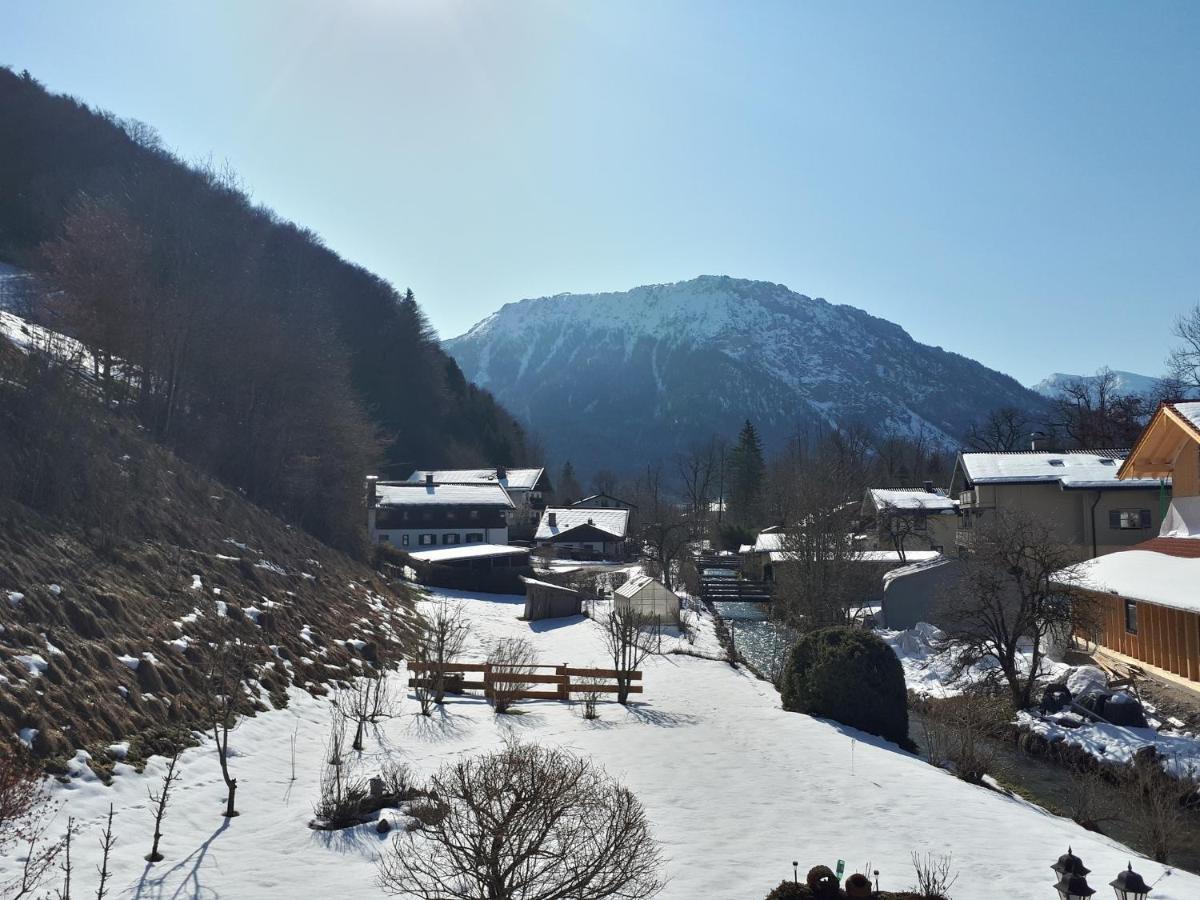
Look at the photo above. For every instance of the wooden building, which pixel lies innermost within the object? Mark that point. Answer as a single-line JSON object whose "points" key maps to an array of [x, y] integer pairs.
{"points": [[1150, 594], [584, 533], [544, 600]]}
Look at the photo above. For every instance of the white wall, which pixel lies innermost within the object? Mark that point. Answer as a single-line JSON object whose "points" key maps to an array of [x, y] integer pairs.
{"points": [[395, 536]]}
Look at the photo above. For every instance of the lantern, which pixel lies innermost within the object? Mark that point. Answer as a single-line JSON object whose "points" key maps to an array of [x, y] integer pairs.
{"points": [[1129, 885], [1070, 864], [1073, 887]]}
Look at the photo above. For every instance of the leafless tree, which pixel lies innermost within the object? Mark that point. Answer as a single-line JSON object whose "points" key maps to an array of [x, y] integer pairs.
{"points": [[226, 662], [1183, 365], [1006, 428], [699, 469], [1094, 413], [1016, 593], [25, 812], [438, 643], [935, 876], [630, 639], [367, 700], [527, 823], [341, 793], [512, 661], [107, 841], [160, 801], [1156, 803]]}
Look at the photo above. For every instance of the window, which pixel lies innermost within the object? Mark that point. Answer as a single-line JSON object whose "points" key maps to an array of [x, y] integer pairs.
{"points": [[474, 514], [404, 540], [1131, 617], [451, 515], [427, 540], [474, 537], [1056, 462], [1129, 519], [449, 538]]}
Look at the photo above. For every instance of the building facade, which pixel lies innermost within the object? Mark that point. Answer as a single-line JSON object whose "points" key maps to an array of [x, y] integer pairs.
{"points": [[416, 516], [527, 488]]}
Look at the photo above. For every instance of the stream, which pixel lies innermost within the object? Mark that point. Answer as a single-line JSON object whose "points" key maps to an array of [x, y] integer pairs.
{"points": [[764, 643]]}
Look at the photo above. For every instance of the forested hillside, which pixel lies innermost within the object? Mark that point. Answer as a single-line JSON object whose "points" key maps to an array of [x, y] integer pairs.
{"points": [[233, 337]]}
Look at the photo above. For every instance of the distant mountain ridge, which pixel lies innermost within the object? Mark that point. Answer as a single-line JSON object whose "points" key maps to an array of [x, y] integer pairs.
{"points": [[1125, 383], [659, 366]]}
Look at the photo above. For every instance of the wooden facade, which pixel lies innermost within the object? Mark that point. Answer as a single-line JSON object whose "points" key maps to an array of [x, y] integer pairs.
{"points": [[1166, 638]]}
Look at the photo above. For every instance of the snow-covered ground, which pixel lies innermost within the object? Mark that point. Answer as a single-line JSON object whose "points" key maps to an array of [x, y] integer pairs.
{"points": [[735, 787]]}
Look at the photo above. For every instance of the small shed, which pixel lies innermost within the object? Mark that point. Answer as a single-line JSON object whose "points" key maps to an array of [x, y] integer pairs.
{"points": [[649, 597], [912, 593], [544, 600]]}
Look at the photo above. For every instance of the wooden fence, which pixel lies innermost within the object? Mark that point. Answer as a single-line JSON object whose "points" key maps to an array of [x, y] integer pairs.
{"points": [[600, 681]]}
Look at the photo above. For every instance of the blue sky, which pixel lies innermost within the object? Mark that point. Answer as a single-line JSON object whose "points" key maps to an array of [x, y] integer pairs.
{"points": [[1016, 182]]}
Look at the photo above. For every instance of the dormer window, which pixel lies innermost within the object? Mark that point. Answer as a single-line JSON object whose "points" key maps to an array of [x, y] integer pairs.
{"points": [[1108, 462]]}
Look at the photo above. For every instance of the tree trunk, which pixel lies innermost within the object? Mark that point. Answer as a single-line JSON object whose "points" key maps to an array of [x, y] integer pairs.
{"points": [[230, 812]]}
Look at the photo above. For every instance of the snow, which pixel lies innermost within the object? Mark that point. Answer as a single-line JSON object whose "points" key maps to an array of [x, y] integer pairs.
{"points": [[1116, 744], [613, 521], [734, 787], [911, 498], [1143, 575], [1190, 411], [196, 583], [913, 568], [514, 480], [1124, 383], [768, 541], [442, 495], [1078, 469], [34, 662], [55, 589], [15, 598], [1182, 519], [131, 661], [466, 551]]}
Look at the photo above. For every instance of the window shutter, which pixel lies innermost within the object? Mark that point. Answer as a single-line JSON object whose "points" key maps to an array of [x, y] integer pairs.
{"points": [[1114, 518], [1145, 518]]}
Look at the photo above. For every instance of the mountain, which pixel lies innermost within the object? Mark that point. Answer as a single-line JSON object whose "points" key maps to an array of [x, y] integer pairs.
{"points": [[659, 366], [1125, 383]]}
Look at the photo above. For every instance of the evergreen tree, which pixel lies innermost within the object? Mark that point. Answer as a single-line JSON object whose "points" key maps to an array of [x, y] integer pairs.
{"points": [[568, 489], [745, 477]]}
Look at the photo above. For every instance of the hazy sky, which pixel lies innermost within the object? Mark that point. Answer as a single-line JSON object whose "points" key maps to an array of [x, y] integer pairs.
{"points": [[1020, 183]]}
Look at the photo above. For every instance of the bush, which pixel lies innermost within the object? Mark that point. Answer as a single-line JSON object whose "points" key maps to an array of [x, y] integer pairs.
{"points": [[790, 890], [850, 676]]}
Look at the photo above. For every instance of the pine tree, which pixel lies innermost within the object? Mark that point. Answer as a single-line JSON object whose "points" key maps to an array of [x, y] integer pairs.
{"points": [[568, 489], [746, 470]]}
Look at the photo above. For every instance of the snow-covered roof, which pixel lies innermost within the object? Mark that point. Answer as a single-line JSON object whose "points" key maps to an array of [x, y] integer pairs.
{"points": [[467, 551], [1072, 469], [769, 541], [514, 479], [557, 587], [1190, 411], [1145, 575], [634, 585], [420, 494], [746, 548], [868, 556], [913, 568], [613, 521], [911, 499]]}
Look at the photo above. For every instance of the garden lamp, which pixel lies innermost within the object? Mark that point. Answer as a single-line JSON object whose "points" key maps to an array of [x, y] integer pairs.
{"points": [[1129, 885]]}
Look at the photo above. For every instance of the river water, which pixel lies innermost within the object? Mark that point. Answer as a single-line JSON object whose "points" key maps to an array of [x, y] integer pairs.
{"points": [[764, 645]]}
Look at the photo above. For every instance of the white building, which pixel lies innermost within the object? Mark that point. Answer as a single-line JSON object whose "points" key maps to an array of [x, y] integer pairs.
{"points": [[525, 487], [412, 515], [648, 597]]}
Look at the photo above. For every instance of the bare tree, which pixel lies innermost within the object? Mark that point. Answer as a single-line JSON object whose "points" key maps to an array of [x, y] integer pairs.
{"points": [[512, 661], [440, 641], [367, 700], [1006, 428], [1094, 412], [1016, 593], [527, 823], [699, 469], [630, 639], [1156, 803], [226, 660], [24, 816], [1183, 365], [935, 875], [341, 793], [107, 841], [160, 801]]}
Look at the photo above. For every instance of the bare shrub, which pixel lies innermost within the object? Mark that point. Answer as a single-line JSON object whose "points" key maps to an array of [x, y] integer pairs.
{"points": [[512, 661], [589, 693], [630, 639], [934, 875], [226, 664], [1156, 803], [341, 793], [526, 822], [160, 801], [438, 644], [108, 840], [24, 816], [367, 700]]}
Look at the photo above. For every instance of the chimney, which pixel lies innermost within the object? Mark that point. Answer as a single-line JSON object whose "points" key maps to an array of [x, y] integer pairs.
{"points": [[501, 473], [552, 519], [1036, 438], [929, 487], [372, 494], [428, 479], [591, 521]]}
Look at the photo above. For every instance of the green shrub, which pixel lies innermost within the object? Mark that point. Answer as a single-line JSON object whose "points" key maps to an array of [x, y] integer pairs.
{"points": [[850, 676]]}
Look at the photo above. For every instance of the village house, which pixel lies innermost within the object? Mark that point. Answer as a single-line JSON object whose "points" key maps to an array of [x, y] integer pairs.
{"points": [[582, 532], [1076, 491], [910, 518], [603, 501], [1149, 594], [527, 488], [414, 515]]}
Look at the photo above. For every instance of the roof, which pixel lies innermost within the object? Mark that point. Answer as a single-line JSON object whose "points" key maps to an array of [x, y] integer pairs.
{"points": [[547, 584], [1172, 427], [911, 499], [467, 551], [869, 556], [514, 480], [1071, 469], [636, 583], [768, 541], [594, 497], [1143, 574], [915, 568], [612, 521], [419, 494]]}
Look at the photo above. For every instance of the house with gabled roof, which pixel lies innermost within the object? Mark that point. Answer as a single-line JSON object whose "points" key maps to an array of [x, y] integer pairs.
{"points": [[1149, 594], [924, 518], [598, 533], [413, 515], [1078, 492], [527, 488]]}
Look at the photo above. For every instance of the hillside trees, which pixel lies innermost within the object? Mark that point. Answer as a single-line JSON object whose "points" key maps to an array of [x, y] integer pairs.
{"points": [[236, 338], [745, 469]]}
